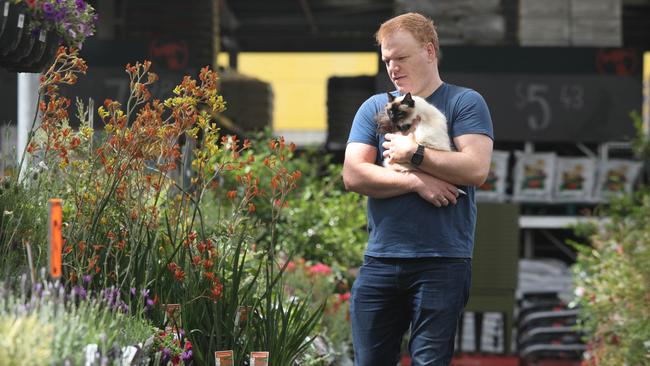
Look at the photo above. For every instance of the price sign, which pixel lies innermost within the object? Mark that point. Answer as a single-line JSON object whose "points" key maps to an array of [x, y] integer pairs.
{"points": [[557, 108]]}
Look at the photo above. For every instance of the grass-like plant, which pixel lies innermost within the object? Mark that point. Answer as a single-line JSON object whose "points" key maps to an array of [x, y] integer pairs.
{"points": [[51, 325], [135, 218]]}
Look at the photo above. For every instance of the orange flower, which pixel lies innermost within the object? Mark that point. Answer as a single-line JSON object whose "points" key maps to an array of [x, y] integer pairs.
{"points": [[207, 264], [196, 260], [180, 275]]}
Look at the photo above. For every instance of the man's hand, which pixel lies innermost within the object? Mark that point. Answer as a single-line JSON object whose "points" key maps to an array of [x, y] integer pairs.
{"points": [[434, 190], [399, 148]]}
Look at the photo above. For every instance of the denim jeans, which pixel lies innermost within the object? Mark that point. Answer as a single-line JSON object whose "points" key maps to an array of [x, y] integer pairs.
{"points": [[392, 294]]}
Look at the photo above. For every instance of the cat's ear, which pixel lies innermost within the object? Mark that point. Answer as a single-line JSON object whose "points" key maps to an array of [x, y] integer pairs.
{"points": [[391, 98], [408, 100]]}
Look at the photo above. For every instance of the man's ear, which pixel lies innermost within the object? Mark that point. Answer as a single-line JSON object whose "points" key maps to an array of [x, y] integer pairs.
{"points": [[431, 52]]}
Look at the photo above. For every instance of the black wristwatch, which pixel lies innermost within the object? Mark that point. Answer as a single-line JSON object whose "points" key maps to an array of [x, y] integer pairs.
{"points": [[418, 156]]}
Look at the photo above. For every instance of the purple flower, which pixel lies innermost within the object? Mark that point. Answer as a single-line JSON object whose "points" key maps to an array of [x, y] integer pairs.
{"points": [[38, 290], [187, 357], [80, 291], [50, 13], [81, 5], [87, 278], [133, 291], [166, 356]]}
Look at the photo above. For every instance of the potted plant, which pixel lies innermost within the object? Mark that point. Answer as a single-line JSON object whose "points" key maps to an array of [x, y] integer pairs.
{"points": [[35, 28]]}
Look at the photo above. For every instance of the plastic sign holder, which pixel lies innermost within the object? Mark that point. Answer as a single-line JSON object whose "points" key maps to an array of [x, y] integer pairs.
{"points": [[55, 240]]}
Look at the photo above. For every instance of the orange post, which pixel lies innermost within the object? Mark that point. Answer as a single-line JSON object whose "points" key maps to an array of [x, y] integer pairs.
{"points": [[54, 237]]}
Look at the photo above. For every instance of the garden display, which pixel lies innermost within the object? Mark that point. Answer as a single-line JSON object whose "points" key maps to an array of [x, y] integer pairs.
{"points": [[178, 268]]}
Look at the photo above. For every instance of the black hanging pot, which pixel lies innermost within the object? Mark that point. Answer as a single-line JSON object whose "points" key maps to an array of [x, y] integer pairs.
{"points": [[42, 53], [14, 28], [4, 14], [24, 46]]}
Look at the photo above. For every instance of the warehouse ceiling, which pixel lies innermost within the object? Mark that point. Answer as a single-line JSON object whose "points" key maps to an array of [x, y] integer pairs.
{"points": [[349, 25], [304, 25]]}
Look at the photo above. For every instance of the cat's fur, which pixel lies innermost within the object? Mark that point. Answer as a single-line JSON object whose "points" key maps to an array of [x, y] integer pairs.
{"points": [[410, 113]]}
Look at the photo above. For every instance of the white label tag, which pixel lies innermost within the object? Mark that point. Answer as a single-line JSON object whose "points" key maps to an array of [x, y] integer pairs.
{"points": [[6, 12], [42, 35], [21, 20]]}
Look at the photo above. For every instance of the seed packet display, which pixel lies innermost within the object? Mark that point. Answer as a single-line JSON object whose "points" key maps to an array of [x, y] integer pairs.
{"points": [[574, 179], [534, 173], [259, 359], [616, 176], [494, 188], [224, 358]]}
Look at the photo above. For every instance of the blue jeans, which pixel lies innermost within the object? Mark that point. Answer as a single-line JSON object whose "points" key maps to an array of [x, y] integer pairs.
{"points": [[392, 294]]}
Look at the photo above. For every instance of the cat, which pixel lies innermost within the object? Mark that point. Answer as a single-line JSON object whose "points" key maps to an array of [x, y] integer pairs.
{"points": [[410, 113]]}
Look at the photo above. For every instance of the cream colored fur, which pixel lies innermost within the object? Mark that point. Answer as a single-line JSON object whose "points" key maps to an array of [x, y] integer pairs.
{"points": [[429, 127]]}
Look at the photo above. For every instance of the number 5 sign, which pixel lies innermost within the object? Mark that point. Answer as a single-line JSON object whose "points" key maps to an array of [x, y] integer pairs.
{"points": [[556, 107]]}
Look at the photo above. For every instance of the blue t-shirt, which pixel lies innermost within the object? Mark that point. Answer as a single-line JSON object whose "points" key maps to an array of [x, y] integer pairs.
{"points": [[407, 226]]}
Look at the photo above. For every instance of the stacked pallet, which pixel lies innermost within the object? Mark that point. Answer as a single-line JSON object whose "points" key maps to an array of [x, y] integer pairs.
{"points": [[462, 21], [570, 23]]}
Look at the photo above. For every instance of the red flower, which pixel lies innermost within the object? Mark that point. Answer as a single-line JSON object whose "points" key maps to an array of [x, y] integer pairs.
{"points": [[180, 275], [291, 266], [320, 268], [344, 297]]}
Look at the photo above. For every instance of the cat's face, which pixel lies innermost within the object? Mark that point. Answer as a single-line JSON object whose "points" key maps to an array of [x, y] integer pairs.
{"points": [[399, 110]]}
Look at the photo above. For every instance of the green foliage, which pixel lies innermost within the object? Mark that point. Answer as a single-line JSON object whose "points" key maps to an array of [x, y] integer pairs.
{"points": [[322, 284], [50, 326], [23, 220], [133, 219], [324, 222], [25, 341], [613, 283]]}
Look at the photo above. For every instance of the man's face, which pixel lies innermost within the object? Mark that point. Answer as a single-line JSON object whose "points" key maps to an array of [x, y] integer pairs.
{"points": [[410, 64]]}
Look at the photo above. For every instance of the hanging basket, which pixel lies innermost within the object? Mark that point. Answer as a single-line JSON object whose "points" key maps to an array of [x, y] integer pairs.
{"points": [[14, 27], [23, 50]]}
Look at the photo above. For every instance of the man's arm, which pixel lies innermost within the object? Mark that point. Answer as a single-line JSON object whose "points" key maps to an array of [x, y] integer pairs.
{"points": [[469, 165], [362, 175]]}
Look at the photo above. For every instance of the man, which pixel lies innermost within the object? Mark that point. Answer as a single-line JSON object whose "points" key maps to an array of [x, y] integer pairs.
{"points": [[417, 266]]}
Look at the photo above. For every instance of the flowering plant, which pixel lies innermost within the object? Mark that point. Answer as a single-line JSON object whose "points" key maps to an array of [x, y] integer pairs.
{"points": [[173, 348], [134, 220], [73, 20]]}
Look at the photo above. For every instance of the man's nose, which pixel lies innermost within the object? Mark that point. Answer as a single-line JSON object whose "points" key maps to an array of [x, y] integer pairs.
{"points": [[392, 66]]}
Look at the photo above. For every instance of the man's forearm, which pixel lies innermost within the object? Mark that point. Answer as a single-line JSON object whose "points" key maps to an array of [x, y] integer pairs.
{"points": [[375, 181], [454, 167]]}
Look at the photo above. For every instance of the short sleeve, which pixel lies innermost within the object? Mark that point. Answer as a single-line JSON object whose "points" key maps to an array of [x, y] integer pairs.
{"points": [[364, 125], [471, 116]]}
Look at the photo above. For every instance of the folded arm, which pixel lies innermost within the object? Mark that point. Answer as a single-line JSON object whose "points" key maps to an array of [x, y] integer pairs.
{"points": [[362, 175], [469, 165]]}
